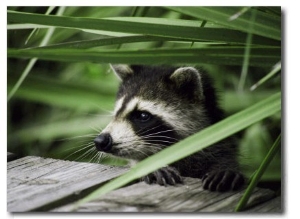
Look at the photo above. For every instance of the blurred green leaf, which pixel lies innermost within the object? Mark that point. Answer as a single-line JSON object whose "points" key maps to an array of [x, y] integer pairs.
{"points": [[254, 147], [83, 97], [59, 129], [258, 174], [232, 101]]}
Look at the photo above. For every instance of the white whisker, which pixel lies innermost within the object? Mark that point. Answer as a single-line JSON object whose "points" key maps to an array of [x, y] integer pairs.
{"points": [[98, 130], [142, 131], [85, 154], [76, 137]]}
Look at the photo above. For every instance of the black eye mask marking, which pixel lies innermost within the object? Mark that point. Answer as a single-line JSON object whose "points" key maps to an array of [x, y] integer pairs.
{"points": [[152, 128], [141, 116]]}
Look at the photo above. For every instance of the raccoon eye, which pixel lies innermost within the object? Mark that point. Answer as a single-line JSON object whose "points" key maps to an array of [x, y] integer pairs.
{"points": [[142, 116]]}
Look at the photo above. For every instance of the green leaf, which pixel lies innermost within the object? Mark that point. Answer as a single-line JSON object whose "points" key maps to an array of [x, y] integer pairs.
{"points": [[194, 143], [264, 25], [58, 129], [257, 175], [276, 68], [247, 53], [228, 55], [147, 26], [109, 41]]}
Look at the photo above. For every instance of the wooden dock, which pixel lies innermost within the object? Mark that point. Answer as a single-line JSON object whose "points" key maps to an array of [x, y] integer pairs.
{"points": [[36, 184]]}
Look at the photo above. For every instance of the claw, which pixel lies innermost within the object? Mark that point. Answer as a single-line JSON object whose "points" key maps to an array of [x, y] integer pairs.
{"points": [[222, 180], [164, 176]]}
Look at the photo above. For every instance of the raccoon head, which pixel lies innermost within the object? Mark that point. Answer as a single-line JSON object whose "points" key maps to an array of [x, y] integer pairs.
{"points": [[156, 106]]}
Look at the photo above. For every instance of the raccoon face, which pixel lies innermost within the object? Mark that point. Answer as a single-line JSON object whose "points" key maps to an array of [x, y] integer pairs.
{"points": [[155, 107]]}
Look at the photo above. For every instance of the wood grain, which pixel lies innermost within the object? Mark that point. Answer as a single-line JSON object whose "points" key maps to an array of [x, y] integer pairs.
{"points": [[35, 183], [190, 197], [44, 184]]}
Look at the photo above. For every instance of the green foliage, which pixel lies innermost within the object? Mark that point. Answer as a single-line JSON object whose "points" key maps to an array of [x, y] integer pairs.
{"points": [[266, 24], [258, 174], [63, 100]]}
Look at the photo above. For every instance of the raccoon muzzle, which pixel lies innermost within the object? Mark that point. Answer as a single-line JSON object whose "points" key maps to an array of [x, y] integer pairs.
{"points": [[103, 142]]}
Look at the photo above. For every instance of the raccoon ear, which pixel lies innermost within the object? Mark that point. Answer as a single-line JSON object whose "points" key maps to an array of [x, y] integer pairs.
{"points": [[122, 71], [189, 80]]}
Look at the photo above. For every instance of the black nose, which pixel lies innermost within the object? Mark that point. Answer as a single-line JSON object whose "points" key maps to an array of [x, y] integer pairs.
{"points": [[103, 142]]}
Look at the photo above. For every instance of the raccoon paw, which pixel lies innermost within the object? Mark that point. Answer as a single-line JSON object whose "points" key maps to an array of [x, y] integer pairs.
{"points": [[164, 176], [223, 180]]}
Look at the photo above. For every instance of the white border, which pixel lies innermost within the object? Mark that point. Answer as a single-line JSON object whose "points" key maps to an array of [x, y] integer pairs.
{"points": [[291, 97]]}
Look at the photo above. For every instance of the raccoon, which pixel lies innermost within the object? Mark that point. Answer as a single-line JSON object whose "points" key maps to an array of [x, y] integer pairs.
{"points": [[158, 106]]}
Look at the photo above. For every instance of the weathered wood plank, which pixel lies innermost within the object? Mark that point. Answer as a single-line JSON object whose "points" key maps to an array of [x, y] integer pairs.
{"points": [[35, 183], [273, 205], [258, 196], [189, 197]]}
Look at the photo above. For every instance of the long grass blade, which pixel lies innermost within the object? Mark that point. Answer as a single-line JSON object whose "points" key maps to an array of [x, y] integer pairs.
{"points": [[246, 55], [85, 44], [276, 69], [257, 175], [24, 26], [213, 55]]}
